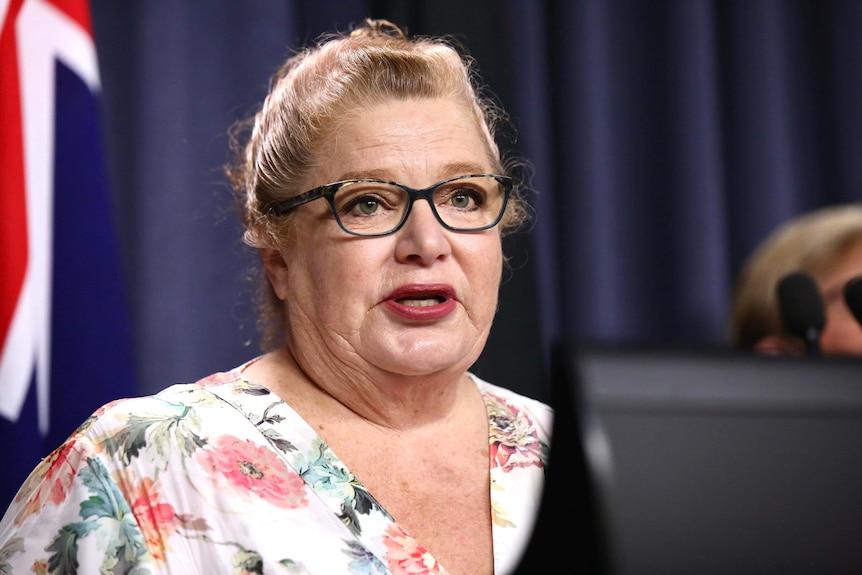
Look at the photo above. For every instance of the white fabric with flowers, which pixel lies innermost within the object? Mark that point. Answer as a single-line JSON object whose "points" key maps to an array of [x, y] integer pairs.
{"points": [[221, 476]]}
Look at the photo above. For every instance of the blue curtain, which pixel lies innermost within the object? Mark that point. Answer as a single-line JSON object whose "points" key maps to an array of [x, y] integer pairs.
{"points": [[667, 139]]}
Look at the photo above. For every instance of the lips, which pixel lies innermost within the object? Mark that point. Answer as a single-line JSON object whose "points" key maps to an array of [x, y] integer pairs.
{"points": [[422, 302]]}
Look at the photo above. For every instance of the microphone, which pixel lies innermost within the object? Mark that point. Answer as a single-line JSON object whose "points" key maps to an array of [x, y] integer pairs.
{"points": [[802, 309], [853, 297]]}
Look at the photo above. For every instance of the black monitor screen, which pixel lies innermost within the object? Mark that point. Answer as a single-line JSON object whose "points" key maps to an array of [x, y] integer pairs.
{"points": [[708, 461]]}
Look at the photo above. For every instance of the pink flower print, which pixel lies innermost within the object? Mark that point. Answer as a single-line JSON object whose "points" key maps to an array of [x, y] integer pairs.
{"points": [[406, 557], [50, 481], [253, 470], [157, 520], [219, 378], [513, 438]]}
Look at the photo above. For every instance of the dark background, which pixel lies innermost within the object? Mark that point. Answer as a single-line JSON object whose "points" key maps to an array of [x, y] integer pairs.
{"points": [[668, 138]]}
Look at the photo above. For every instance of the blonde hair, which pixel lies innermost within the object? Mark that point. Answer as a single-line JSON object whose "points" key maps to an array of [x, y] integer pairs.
{"points": [[322, 86], [813, 243]]}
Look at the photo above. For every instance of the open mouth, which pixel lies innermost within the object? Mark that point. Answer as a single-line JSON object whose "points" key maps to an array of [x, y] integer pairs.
{"points": [[422, 301]]}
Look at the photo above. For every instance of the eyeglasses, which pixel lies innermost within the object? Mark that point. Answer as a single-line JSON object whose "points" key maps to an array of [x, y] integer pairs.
{"points": [[370, 207]]}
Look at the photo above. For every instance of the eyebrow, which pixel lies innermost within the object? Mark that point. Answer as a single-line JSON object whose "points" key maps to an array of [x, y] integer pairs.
{"points": [[450, 170]]}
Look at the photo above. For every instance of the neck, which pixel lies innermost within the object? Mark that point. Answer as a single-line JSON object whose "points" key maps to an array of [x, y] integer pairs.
{"points": [[384, 400]]}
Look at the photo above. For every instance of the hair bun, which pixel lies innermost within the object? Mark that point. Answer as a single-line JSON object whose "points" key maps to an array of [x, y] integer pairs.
{"points": [[379, 27]]}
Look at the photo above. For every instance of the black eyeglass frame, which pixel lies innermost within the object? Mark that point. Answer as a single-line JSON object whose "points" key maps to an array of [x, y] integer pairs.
{"points": [[328, 191]]}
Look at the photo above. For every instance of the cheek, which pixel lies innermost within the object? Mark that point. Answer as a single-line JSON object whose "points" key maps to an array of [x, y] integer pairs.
{"points": [[842, 331], [485, 271], [328, 273], [339, 281], [840, 315]]}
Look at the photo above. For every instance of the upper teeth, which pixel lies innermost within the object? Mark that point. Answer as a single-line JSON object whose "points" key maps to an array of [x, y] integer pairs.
{"points": [[419, 302]]}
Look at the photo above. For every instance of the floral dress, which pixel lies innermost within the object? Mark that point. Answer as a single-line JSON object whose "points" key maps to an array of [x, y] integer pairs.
{"points": [[221, 476]]}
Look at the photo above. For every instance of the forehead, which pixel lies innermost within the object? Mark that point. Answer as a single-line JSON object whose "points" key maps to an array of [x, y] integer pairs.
{"points": [[409, 140], [848, 266]]}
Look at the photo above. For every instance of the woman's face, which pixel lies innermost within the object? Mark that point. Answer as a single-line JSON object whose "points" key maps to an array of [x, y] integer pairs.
{"points": [[418, 301], [842, 334]]}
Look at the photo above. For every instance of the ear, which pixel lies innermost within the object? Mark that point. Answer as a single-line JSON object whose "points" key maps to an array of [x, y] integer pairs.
{"points": [[276, 270], [779, 345]]}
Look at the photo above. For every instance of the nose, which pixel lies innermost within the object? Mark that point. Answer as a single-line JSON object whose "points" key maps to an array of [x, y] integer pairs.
{"points": [[422, 238]]}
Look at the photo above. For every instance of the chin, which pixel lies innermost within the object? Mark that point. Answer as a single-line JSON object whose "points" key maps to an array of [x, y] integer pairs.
{"points": [[424, 362]]}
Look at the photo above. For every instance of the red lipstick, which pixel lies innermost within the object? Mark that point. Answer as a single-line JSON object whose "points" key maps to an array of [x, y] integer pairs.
{"points": [[422, 302]]}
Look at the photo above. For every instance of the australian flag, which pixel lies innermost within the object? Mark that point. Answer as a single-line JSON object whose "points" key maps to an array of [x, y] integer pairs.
{"points": [[65, 341]]}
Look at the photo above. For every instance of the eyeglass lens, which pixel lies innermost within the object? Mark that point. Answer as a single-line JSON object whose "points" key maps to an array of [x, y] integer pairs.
{"points": [[370, 208]]}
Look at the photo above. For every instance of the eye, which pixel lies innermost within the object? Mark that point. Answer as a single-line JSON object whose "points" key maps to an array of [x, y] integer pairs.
{"points": [[462, 198], [365, 199], [363, 205]]}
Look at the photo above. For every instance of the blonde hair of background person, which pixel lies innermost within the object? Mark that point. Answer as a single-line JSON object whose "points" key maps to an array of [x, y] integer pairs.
{"points": [[826, 244], [372, 186]]}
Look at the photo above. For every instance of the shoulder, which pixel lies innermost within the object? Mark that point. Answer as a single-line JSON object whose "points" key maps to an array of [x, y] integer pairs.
{"points": [[134, 439], [148, 464], [186, 401]]}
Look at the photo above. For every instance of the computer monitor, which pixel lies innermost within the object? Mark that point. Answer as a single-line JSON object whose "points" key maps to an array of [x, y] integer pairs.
{"points": [[706, 461]]}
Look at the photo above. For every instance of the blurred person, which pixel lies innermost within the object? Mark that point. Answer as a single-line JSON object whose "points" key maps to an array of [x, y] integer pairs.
{"points": [[825, 244], [372, 185]]}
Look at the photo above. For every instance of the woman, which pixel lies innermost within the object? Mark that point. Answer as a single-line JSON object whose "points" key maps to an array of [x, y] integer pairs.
{"points": [[373, 189], [825, 244]]}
